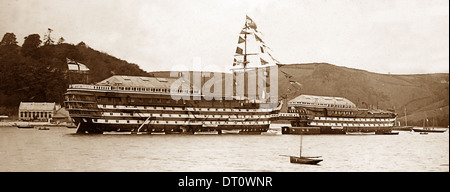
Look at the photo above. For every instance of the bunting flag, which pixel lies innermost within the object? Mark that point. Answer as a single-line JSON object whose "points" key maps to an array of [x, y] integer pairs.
{"points": [[250, 22], [239, 50], [263, 62], [241, 40], [259, 38], [75, 66], [238, 62]]}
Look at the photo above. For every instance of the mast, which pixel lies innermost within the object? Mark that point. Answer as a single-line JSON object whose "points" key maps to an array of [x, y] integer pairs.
{"points": [[301, 138], [406, 120], [425, 122], [432, 119], [245, 50], [251, 54]]}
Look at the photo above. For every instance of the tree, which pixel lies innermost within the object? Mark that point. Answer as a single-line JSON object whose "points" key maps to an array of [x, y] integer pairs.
{"points": [[9, 39], [60, 41], [82, 44], [47, 38], [31, 44]]}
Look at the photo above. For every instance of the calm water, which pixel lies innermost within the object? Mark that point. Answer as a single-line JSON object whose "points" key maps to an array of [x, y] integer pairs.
{"points": [[59, 149]]}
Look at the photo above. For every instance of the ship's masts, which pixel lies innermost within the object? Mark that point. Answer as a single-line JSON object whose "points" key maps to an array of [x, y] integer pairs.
{"points": [[245, 51]]}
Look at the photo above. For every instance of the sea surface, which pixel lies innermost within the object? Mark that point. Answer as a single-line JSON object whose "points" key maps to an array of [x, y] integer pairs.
{"points": [[60, 149]]}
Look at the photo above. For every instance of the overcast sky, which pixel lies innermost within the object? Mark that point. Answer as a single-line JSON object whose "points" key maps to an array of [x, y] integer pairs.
{"points": [[383, 36]]}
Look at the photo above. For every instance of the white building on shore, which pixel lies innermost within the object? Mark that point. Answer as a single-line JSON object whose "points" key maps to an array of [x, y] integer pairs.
{"points": [[36, 111]]}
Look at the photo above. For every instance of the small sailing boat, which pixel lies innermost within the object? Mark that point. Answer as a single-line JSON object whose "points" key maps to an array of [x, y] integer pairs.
{"points": [[304, 159], [405, 127], [427, 129]]}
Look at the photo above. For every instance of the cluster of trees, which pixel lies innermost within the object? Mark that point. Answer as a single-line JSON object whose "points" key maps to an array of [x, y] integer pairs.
{"points": [[37, 71]]}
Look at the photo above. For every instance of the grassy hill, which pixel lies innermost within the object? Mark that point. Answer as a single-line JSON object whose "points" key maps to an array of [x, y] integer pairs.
{"points": [[422, 95]]}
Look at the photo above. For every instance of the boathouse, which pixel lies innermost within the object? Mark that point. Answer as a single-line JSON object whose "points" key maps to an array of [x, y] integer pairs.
{"points": [[61, 115], [36, 111]]}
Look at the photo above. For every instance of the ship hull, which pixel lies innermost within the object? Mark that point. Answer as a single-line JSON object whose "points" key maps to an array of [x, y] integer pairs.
{"points": [[88, 126], [96, 112], [304, 160], [432, 130], [331, 131], [309, 114]]}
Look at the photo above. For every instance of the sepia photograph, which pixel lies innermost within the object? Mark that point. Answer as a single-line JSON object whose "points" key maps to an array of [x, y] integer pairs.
{"points": [[224, 86]]}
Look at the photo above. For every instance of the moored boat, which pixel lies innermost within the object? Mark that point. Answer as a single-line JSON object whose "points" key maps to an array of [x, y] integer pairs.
{"points": [[304, 160], [405, 127], [334, 115], [360, 133], [206, 132], [391, 133], [429, 130], [272, 132], [42, 128], [25, 126], [232, 131], [402, 128]]}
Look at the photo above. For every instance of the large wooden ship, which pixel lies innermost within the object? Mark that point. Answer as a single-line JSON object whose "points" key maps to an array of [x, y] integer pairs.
{"points": [[311, 114], [134, 104]]}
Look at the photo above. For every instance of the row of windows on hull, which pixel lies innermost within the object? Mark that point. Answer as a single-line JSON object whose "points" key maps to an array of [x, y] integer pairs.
{"points": [[351, 124], [137, 89], [109, 121], [168, 100], [193, 116], [134, 107], [196, 131], [320, 105], [355, 119]]}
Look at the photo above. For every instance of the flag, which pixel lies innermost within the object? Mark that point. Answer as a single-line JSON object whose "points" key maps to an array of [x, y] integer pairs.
{"points": [[250, 22], [241, 40], [263, 62], [258, 38], [239, 50]]}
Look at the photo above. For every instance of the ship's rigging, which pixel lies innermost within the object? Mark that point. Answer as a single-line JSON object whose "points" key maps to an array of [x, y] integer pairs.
{"points": [[252, 51]]}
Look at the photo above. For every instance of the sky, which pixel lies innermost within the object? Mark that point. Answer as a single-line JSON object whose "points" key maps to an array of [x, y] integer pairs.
{"points": [[382, 36]]}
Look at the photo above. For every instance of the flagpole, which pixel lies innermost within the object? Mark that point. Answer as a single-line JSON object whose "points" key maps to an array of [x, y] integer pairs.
{"points": [[68, 71]]}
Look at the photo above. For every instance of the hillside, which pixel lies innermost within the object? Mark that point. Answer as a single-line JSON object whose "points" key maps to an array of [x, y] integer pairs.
{"points": [[423, 94], [39, 72]]}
